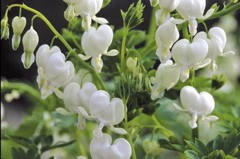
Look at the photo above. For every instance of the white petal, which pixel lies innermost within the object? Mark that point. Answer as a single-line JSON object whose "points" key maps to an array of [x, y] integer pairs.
{"points": [[84, 57], [81, 124], [177, 21], [63, 111], [211, 118], [81, 157], [100, 20], [202, 64], [208, 14], [58, 93], [112, 53], [84, 113], [154, 2], [193, 123], [192, 26], [177, 107], [227, 53], [86, 22], [184, 75], [97, 63], [120, 131]]}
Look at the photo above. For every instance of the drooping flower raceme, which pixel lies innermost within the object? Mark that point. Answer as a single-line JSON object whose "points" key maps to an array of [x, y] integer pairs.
{"points": [[88, 10], [197, 105], [190, 56], [53, 71], [166, 77], [95, 43], [166, 6], [191, 10], [75, 97], [216, 39], [18, 25], [101, 147], [30, 41], [165, 36]]}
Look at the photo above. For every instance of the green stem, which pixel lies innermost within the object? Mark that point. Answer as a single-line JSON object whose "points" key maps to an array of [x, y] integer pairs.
{"points": [[185, 32], [193, 77], [125, 33], [146, 50], [195, 133], [152, 27], [165, 131], [5, 85], [65, 43]]}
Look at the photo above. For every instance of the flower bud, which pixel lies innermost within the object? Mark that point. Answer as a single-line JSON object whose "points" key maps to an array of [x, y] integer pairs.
{"points": [[69, 13], [30, 42], [4, 29], [131, 63], [18, 25]]}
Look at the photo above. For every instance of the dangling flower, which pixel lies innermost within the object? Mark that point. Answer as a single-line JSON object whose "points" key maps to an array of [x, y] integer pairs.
{"points": [[4, 29], [69, 13], [216, 39], [18, 25], [30, 41], [166, 7], [190, 56], [88, 10], [102, 147], [165, 36], [53, 71], [95, 43], [191, 10], [197, 105], [75, 97], [166, 77]]}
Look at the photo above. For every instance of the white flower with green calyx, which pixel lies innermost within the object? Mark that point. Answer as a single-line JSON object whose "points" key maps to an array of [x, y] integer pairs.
{"points": [[88, 10], [216, 39], [69, 13], [197, 105], [18, 25], [102, 147], [167, 76], [166, 35], [30, 41], [191, 10], [132, 66], [95, 43], [53, 70], [190, 55], [166, 7]]}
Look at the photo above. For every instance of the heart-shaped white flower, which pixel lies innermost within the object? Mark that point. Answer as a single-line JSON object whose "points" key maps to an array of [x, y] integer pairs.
{"points": [[53, 71], [95, 43], [198, 105], [165, 36], [216, 39], [102, 148], [190, 55], [106, 111], [30, 41], [191, 10], [166, 6], [88, 10], [166, 77]]}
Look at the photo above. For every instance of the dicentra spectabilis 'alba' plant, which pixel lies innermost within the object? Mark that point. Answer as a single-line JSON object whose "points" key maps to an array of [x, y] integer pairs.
{"points": [[4, 29], [165, 36], [166, 6], [197, 105], [166, 77], [190, 56], [18, 25], [53, 71], [30, 41], [88, 10], [216, 39], [95, 43], [191, 10], [101, 147], [75, 97]]}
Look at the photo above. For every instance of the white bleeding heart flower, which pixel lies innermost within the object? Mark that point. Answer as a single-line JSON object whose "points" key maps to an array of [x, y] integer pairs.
{"points": [[197, 105], [191, 10], [18, 25], [216, 39], [166, 7], [190, 55], [165, 36], [82, 76], [88, 10], [95, 43], [101, 147], [53, 71], [75, 97], [166, 77], [30, 41]]}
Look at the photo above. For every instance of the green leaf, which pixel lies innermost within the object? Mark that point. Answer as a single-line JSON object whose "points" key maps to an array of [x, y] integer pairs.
{"points": [[133, 16], [231, 142], [57, 145], [201, 147], [18, 153], [218, 143], [191, 154], [105, 3], [194, 147]]}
